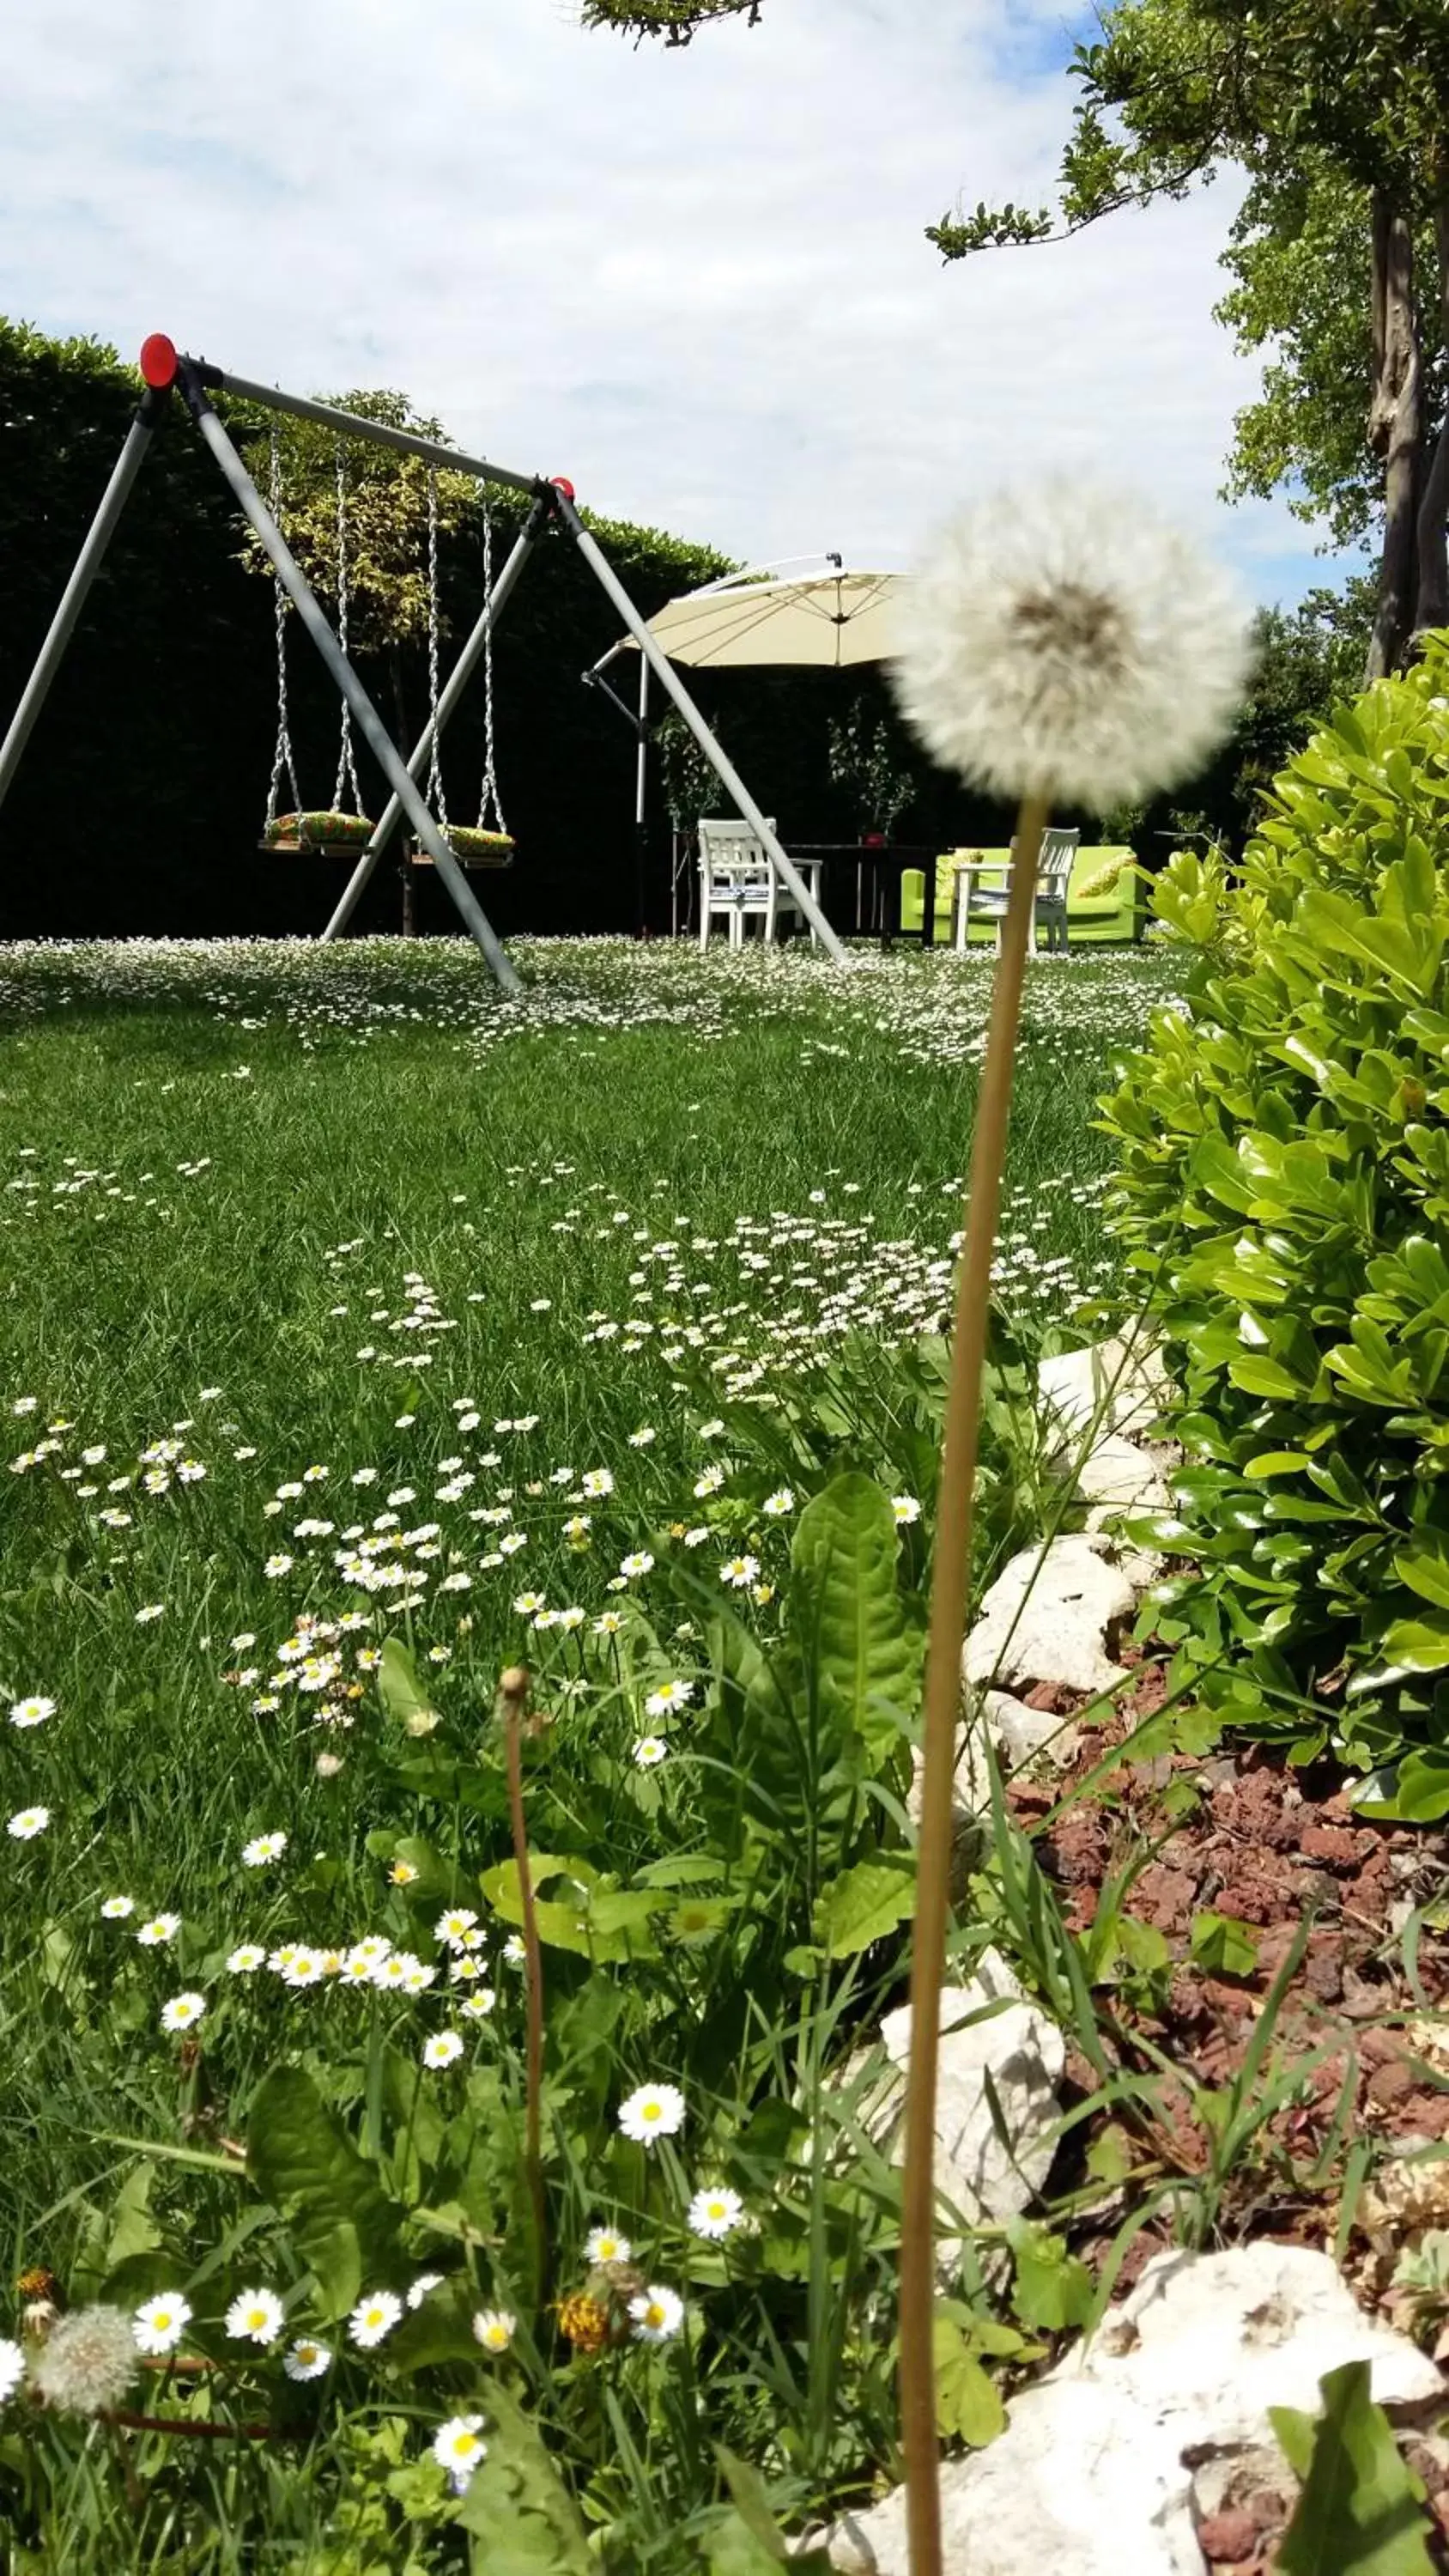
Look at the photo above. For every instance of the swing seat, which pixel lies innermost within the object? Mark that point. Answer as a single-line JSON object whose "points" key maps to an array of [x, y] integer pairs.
{"points": [[473, 848], [326, 835]]}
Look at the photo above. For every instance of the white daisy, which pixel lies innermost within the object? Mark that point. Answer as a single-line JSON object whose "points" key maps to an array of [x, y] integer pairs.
{"points": [[740, 1572], [182, 2011], [658, 2314], [669, 1696], [603, 2245], [33, 1711], [263, 1848], [459, 2447], [653, 2111], [478, 2005], [27, 1823], [649, 1750], [245, 1960], [450, 1927], [256, 2317], [425, 2281], [305, 2359], [116, 1908], [494, 2328], [776, 1505], [443, 2049], [159, 2324], [373, 2318], [161, 1929], [906, 1509], [714, 2213]]}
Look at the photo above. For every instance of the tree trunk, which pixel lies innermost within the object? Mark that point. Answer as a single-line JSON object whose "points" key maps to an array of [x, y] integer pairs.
{"points": [[1431, 608], [1396, 431]]}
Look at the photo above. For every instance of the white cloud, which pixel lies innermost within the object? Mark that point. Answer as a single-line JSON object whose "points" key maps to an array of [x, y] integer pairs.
{"points": [[693, 280]]}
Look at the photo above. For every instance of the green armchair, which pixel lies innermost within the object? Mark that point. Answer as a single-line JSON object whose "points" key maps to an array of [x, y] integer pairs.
{"points": [[1114, 909]]}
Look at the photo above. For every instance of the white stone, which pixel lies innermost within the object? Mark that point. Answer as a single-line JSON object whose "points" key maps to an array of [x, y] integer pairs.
{"points": [[1048, 1617], [1092, 2475], [1117, 1476], [1020, 1733], [1117, 1385], [981, 2174]]}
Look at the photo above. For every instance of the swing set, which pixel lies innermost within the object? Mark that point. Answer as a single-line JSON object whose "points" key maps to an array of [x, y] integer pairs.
{"points": [[416, 788]]}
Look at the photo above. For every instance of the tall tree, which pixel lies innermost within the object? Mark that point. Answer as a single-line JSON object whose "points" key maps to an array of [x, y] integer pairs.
{"points": [[1340, 116], [675, 20]]}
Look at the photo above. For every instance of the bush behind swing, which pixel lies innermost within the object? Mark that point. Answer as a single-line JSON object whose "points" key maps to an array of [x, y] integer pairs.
{"points": [[1285, 1196]]}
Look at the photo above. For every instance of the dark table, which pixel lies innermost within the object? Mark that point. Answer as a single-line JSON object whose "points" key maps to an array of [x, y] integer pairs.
{"points": [[886, 863]]}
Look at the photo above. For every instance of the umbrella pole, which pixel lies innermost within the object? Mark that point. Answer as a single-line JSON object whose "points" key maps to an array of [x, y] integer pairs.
{"points": [[641, 790]]}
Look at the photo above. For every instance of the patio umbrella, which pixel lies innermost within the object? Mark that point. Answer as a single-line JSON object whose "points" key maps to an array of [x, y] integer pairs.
{"points": [[829, 620]]}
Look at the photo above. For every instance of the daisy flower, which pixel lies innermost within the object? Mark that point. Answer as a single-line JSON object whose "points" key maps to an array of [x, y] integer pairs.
{"points": [[305, 2359], [450, 1927], [402, 1873], [459, 2447], [159, 2324], [116, 1908], [373, 2318], [479, 2004], [161, 1929], [714, 2213], [443, 2049], [641, 1562], [598, 1481], [33, 1711], [245, 1961], [776, 1505], [27, 1823], [263, 1848], [303, 1967], [494, 2328], [182, 2011], [256, 2317], [653, 2111], [425, 2281], [602, 2245], [740, 1572], [669, 1696], [658, 2314], [609, 1623], [650, 1750], [906, 1509]]}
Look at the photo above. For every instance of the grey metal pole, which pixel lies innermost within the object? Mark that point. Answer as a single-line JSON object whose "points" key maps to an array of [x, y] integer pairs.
{"points": [[375, 733], [718, 759], [466, 665], [641, 789], [73, 598], [350, 424]]}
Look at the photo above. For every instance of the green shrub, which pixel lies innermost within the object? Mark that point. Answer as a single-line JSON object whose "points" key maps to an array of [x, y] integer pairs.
{"points": [[1285, 1194]]}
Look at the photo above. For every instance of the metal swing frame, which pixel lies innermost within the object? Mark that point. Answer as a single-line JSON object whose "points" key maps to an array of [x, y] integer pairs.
{"points": [[164, 370]]}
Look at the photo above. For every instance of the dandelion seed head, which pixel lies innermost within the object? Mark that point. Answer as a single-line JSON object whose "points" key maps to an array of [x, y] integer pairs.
{"points": [[87, 2361], [1064, 641]]}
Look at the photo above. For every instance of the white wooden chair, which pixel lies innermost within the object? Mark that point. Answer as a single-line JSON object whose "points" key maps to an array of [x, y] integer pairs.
{"points": [[736, 879], [978, 902]]}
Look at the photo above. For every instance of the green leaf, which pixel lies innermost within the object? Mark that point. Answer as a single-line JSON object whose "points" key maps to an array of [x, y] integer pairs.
{"points": [[969, 2407], [521, 2517], [133, 2229], [1220, 1943], [1053, 2289], [1424, 1566], [1422, 1645], [865, 1656], [399, 1689], [864, 1904], [302, 2160], [1360, 2512]]}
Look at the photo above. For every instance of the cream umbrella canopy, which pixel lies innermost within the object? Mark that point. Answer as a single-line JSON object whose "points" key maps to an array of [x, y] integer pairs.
{"points": [[825, 621]]}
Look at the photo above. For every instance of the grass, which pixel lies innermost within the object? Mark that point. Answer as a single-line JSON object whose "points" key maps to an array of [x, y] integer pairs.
{"points": [[343, 1223]]}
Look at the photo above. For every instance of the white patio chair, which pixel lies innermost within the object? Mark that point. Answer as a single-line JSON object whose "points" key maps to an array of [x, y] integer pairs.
{"points": [[736, 879], [977, 902]]}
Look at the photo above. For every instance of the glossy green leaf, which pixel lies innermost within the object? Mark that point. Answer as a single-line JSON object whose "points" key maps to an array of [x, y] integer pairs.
{"points": [[863, 1651], [864, 1904]]}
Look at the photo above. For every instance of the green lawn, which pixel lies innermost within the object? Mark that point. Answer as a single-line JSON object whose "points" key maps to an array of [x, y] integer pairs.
{"points": [[309, 1253]]}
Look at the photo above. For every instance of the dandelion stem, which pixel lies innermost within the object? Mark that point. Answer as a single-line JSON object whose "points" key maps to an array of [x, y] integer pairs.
{"points": [[949, 1590], [513, 1689], [201, 2428]]}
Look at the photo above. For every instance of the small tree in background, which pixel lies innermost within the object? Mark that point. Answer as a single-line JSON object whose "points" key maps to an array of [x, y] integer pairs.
{"points": [[386, 516]]}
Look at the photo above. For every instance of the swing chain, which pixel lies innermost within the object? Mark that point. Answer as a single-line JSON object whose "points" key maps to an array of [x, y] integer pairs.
{"points": [[435, 796], [488, 795], [346, 764], [282, 757]]}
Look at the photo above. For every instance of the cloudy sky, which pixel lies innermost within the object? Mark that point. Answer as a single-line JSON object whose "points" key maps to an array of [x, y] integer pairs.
{"points": [[693, 280]]}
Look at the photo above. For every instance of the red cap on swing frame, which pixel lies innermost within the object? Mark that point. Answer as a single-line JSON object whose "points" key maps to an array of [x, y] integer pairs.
{"points": [[158, 361]]}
